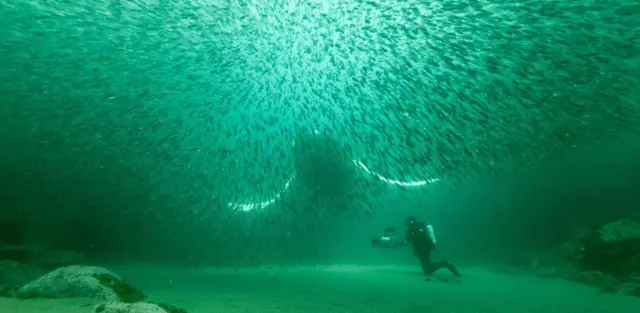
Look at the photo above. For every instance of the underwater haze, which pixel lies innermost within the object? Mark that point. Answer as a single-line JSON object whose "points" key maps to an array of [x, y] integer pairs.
{"points": [[256, 133]]}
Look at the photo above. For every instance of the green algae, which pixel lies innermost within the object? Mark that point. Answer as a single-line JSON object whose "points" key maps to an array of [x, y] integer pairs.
{"points": [[126, 292], [169, 308]]}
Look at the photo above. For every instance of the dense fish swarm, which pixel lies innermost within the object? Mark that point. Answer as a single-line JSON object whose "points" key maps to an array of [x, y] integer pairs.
{"points": [[202, 101]]}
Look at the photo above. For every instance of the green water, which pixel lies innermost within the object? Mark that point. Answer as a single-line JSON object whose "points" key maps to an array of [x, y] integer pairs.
{"points": [[125, 112]]}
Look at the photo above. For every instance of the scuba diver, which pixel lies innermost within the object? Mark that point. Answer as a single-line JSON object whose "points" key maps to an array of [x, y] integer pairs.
{"points": [[422, 239]]}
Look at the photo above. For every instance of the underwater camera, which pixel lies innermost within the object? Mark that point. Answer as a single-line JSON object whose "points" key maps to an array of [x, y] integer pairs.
{"points": [[387, 241]]}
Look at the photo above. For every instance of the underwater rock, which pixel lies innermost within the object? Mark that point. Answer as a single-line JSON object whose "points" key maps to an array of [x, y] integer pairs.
{"points": [[614, 249], [608, 283], [619, 231], [600, 280], [13, 273], [559, 261], [140, 307], [608, 259], [630, 288], [169, 308], [7, 291], [126, 292], [80, 281]]}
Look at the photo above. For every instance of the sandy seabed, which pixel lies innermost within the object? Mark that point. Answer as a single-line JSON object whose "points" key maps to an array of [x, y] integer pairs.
{"points": [[342, 289]]}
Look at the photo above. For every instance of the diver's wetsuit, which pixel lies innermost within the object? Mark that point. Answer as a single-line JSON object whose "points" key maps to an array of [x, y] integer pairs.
{"points": [[422, 245]]}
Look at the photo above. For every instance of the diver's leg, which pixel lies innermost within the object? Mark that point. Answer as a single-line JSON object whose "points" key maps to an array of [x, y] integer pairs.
{"points": [[440, 264], [425, 263]]}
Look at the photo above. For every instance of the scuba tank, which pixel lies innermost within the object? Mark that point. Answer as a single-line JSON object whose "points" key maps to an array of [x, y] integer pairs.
{"points": [[432, 234]]}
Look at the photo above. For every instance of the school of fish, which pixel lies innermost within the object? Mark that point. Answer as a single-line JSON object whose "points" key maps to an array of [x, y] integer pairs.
{"points": [[230, 105]]}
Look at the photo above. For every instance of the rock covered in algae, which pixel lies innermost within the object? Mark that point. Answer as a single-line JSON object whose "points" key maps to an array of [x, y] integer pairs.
{"points": [[169, 308], [615, 249], [140, 307], [81, 281], [126, 292], [618, 231]]}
